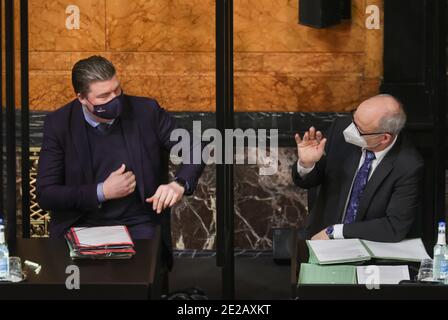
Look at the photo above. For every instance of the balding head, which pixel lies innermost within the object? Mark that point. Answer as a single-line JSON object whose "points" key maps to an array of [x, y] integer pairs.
{"points": [[382, 113], [379, 120]]}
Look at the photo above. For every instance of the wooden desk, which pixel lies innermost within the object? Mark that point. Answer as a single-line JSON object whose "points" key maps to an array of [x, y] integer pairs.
{"points": [[414, 291], [135, 278]]}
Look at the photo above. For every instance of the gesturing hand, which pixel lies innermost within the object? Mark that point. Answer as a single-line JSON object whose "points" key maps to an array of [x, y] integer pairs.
{"points": [[311, 148], [119, 184], [167, 195]]}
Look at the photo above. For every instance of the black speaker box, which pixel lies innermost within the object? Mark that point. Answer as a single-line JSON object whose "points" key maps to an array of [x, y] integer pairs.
{"points": [[281, 244], [323, 13]]}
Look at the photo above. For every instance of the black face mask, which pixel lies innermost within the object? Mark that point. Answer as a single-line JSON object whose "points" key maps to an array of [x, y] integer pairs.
{"points": [[110, 110]]}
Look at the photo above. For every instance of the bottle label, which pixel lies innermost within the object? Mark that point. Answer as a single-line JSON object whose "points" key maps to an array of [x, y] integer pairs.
{"points": [[444, 267], [3, 266]]}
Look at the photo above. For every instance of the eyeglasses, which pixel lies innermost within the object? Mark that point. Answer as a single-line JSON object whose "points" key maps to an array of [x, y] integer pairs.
{"points": [[352, 113]]}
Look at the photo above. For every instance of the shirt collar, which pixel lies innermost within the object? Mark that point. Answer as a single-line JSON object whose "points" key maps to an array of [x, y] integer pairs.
{"points": [[90, 120]]}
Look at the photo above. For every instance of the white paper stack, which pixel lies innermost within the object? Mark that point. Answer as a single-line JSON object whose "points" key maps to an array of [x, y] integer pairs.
{"points": [[111, 242]]}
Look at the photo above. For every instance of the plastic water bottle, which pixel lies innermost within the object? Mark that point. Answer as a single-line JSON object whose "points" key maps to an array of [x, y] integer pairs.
{"points": [[440, 271], [4, 255]]}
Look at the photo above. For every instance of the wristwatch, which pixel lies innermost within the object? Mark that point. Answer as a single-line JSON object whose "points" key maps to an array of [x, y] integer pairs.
{"points": [[330, 232], [182, 182]]}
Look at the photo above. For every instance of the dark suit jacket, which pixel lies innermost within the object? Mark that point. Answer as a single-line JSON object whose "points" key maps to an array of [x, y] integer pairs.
{"points": [[65, 181], [390, 202]]}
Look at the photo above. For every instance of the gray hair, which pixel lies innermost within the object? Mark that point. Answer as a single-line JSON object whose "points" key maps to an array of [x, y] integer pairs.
{"points": [[393, 122], [92, 69]]}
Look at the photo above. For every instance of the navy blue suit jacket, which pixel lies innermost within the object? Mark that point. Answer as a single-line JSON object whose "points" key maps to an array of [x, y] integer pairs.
{"points": [[65, 181]]}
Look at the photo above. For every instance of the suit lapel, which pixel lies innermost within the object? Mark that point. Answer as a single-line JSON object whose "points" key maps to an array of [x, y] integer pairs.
{"points": [[80, 140], [349, 169], [380, 173], [133, 145]]}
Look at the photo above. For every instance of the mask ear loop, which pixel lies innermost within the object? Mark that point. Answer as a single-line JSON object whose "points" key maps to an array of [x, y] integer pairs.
{"points": [[369, 147]]}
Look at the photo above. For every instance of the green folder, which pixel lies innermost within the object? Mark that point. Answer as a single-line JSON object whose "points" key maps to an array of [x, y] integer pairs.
{"points": [[315, 274]]}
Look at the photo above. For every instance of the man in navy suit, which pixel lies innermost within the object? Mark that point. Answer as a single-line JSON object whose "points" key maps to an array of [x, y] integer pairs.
{"points": [[101, 158]]}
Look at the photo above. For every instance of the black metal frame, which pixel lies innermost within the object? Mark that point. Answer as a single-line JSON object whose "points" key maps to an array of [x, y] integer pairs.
{"points": [[1, 114], [11, 226], [11, 154], [25, 118], [224, 120]]}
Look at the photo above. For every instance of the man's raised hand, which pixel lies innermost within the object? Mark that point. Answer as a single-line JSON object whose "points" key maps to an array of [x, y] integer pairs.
{"points": [[310, 148]]}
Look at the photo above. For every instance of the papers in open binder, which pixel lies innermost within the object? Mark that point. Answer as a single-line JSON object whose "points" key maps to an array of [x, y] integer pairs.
{"points": [[337, 251], [356, 250], [110, 242]]}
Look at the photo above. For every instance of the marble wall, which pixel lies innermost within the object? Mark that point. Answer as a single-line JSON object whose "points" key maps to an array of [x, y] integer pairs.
{"points": [[261, 204], [165, 49]]}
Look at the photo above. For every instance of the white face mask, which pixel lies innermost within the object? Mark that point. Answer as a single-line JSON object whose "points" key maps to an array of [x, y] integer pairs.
{"points": [[351, 135]]}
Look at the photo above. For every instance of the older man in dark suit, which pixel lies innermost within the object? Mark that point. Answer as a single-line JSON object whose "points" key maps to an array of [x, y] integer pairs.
{"points": [[369, 175]]}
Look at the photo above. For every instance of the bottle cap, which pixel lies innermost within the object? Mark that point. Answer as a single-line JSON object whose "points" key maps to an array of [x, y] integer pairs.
{"points": [[33, 266], [442, 224]]}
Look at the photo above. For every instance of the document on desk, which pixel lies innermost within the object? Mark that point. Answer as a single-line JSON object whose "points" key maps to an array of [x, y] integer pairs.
{"points": [[355, 250], [406, 250], [337, 251], [108, 242], [382, 274], [102, 236], [315, 274]]}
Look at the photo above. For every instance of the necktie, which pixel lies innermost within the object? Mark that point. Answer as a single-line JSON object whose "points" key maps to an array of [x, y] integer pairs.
{"points": [[358, 188]]}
